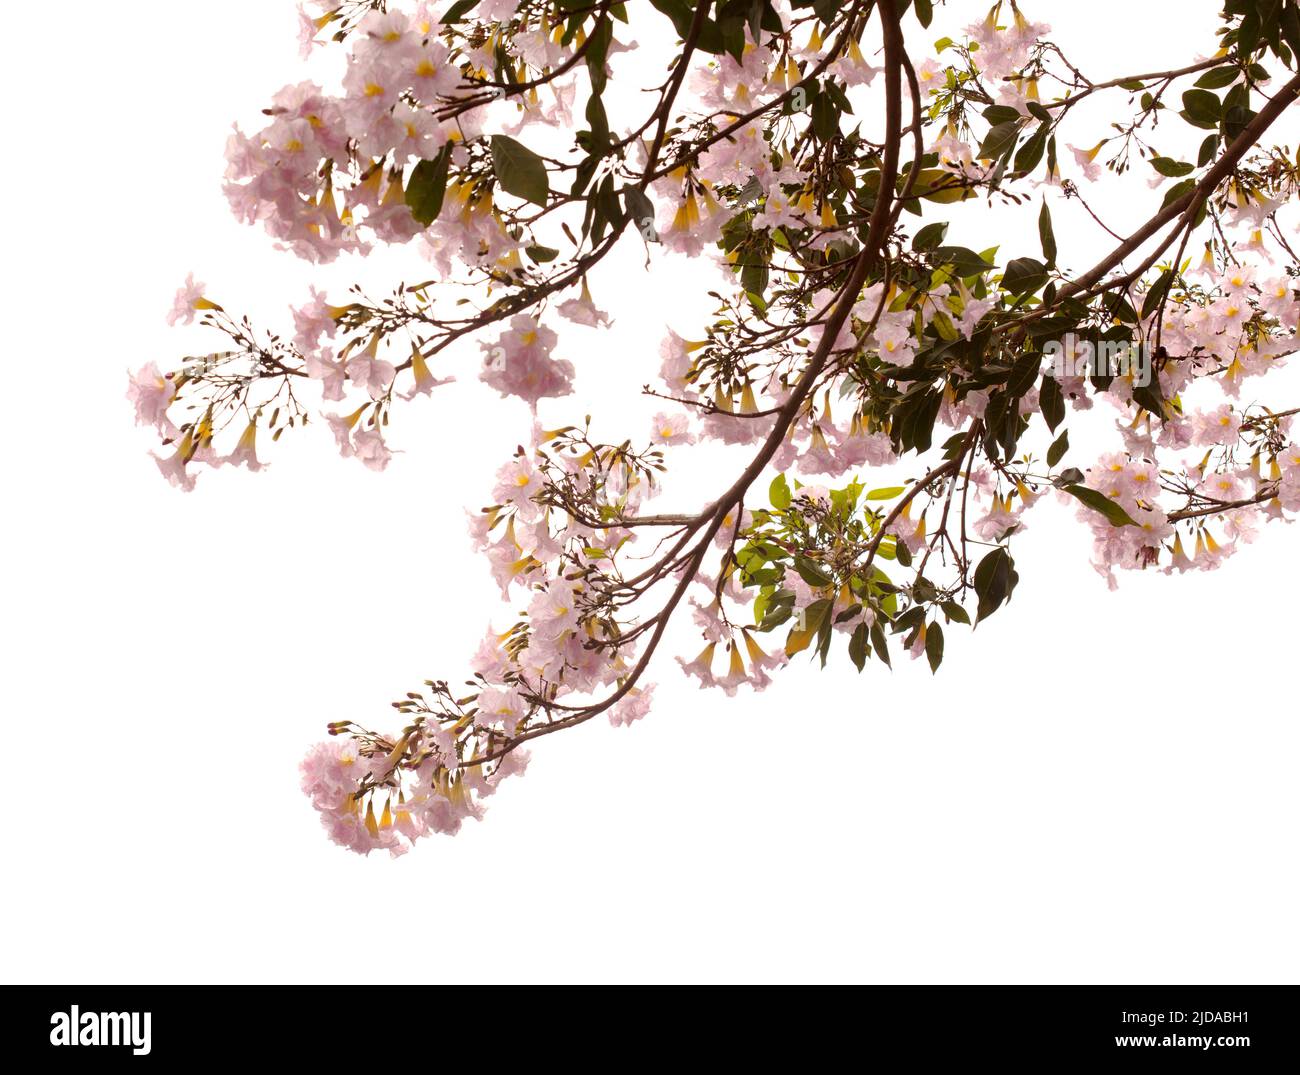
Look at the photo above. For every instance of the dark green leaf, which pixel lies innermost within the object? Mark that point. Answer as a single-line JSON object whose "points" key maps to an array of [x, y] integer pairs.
{"points": [[1024, 276], [934, 646], [428, 187], [1001, 139], [1046, 236], [1051, 403], [929, 237], [859, 647], [1201, 108], [995, 579], [520, 171], [1100, 502], [1170, 167], [955, 612], [1058, 449], [1217, 77]]}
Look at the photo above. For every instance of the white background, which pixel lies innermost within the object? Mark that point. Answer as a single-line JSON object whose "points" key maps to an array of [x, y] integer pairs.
{"points": [[1096, 787]]}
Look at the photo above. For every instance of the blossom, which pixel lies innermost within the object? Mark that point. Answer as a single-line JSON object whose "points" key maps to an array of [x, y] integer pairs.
{"points": [[365, 444], [930, 76], [425, 381], [701, 667], [313, 320], [893, 336], [308, 28], [245, 452], [372, 373], [331, 772], [694, 224], [498, 708], [517, 483], [520, 362], [1000, 520], [1087, 160], [189, 299], [632, 706], [676, 366], [853, 68], [321, 366], [368, 446], [582, 311], [671, 429], [1219, 426], [152, 394]]}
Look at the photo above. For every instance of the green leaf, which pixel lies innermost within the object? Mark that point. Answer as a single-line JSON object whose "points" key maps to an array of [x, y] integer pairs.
{"points": [[1001, 139], [541, 254], [1201, 108], [995, 579], [1170, 167], [965, 263], [955, 612], [1031, 152], [520, 171], [934, 646], [1051, 403], [859, 647], [1156, 293], [1100, 502], [879, 643], [811, 573], [1217, 77], [924, 12], [929, 237], [1024, 276], [641, 212], [458, 11], [1046, 236], [887, 493], [1058, 449], [1177, 191], [427, 187], [779, 493]]}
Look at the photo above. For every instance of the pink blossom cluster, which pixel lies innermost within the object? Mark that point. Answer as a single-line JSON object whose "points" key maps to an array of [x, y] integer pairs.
{"points": [[397, 807]]}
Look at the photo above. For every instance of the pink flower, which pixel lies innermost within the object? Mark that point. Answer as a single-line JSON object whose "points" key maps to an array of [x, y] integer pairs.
{"points": [[692, 227], [1000, 519], [188, 300], [701, 667], [331, 772], [245, 453], [373, 374], [1087, 160], [308, 28], [517, 483], [671, 429], [322, 367], [520, 363], [893, 337], [152, 394], [498, 708], [930, 76], [632, 706], [366, 444], [369, 447], [313, 320], [1219, 426], [676, 365], [583, 311]]}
